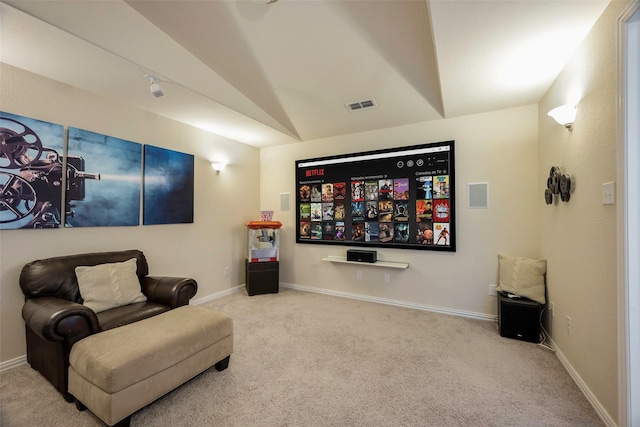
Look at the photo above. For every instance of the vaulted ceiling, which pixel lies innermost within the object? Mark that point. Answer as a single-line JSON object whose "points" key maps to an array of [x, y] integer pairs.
{"points": [[267, 74]]}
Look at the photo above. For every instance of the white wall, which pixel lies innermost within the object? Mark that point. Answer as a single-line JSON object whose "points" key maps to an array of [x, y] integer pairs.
{"points": [[578, 238], [223, 203], [498, 147]]}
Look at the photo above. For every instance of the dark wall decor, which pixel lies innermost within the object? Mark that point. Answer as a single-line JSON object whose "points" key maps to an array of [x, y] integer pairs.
{"points": [[558, 184], [31, 174], [393, 198], [103, 178], [107, 192], [168, 186]]}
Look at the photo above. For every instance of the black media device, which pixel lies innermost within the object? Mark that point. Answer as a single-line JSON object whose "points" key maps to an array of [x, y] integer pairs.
{"points": [[262, 277], [361, 256], [519, 318]]}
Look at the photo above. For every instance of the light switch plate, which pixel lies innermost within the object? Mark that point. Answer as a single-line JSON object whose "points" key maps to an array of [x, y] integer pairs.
{"points": [[608, 193]]}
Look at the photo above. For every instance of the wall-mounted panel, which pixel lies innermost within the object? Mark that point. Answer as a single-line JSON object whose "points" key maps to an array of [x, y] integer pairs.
{"points": [[31, 173], [168, 186], [104, 179], [394, 198]]}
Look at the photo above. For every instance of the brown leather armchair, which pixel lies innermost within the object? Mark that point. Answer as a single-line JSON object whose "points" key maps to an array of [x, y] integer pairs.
{"points": [[56, 319]]}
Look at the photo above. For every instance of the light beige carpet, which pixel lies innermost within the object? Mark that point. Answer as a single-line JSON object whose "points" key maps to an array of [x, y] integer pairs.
{"points": [[304, 359]]}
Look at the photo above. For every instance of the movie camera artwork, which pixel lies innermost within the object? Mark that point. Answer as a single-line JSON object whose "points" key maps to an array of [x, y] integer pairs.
{"points": [[33, 179], [394, 198], [31, 173], [111, 195]]}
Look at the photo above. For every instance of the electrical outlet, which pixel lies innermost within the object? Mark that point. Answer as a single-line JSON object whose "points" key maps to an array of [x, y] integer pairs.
{"points": [[552, 309], [569, 325], [359, 275], [387, 278], [492, 290], [226, 271]]}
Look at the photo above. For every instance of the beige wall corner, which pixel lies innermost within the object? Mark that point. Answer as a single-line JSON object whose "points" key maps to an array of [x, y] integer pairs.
{"points": [[578, 238]]}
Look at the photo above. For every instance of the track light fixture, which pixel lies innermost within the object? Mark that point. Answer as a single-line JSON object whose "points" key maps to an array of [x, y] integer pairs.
{"points": [[155, 87]]}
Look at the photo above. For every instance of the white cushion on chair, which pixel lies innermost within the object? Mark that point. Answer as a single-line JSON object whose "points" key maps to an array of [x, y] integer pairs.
{"points": [[111, 285], [523, 277]]}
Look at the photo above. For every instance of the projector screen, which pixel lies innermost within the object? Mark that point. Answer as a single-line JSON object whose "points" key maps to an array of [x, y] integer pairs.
{"points": [[393, 198]]}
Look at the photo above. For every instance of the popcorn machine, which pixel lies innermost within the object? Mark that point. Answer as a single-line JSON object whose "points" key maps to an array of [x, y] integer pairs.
{"points": [[263, 258]]}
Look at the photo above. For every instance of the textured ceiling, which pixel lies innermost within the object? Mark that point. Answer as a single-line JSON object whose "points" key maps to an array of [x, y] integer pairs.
{"points": [[282, 73]]}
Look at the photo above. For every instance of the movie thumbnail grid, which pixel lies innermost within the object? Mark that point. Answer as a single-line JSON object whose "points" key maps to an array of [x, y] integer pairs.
{"points": [[377, 211]]}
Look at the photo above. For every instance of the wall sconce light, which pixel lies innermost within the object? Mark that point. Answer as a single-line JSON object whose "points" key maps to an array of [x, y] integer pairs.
{"points": [[218, 166], [564, 115], [154, 86]]}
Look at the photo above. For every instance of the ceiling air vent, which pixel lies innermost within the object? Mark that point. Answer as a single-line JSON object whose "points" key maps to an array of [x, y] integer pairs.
{"points": [[361, 105]]}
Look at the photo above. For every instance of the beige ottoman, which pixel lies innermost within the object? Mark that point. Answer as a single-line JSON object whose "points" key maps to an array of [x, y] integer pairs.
{"points": [[116, 372]]}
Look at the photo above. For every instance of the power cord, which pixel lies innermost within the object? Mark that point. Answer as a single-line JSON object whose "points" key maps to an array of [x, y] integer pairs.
{"points": [[544, 338]]}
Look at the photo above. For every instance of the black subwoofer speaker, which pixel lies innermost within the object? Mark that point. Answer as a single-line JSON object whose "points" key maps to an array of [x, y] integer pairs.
{"points": [[519, 318]]}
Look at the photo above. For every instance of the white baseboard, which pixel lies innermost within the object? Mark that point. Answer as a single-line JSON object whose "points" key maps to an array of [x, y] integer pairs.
{"points": [[600, 410], [13, 363], [217, 295], [398, 303], [9, 364]]}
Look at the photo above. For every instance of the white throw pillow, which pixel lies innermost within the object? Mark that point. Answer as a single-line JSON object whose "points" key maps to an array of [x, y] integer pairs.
{"points": [[111, 285], [523, 277]]}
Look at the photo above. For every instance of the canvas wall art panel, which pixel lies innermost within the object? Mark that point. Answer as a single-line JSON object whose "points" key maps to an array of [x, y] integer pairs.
{"points": [[31, 173], [168, 186], [104, 180]]}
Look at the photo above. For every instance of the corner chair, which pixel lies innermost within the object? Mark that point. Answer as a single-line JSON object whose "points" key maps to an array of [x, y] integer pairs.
{"points": [[55, 317]]}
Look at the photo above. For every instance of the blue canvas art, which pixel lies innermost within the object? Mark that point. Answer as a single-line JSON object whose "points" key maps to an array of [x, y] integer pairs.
{"points": [[104, 180], [31, 173], [168, 186]]}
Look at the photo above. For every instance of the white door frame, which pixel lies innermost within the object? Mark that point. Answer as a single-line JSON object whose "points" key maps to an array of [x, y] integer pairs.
{"points": [[628, 215]]}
